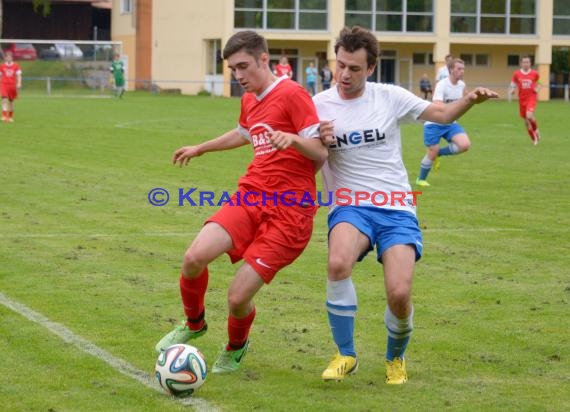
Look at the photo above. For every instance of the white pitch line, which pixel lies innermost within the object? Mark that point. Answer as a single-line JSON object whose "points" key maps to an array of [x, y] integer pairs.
{"points": [[193, 233], [118, 364]]}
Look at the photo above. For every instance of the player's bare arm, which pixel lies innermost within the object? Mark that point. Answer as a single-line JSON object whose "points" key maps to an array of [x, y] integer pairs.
{"points": [[448, 113], [310, 148], [229, 140]]}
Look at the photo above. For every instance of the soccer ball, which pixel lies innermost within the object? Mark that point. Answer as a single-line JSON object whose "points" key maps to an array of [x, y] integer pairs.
{"points": [[181, 369]]}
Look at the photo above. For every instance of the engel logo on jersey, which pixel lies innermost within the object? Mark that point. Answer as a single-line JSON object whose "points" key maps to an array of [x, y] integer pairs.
{"points": [[358, 137], [260, 133]]}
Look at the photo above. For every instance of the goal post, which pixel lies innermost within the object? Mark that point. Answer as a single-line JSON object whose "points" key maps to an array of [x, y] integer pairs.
{"points": [[64, 66]]}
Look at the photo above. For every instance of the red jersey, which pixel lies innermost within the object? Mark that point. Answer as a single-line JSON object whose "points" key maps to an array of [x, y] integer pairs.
{"points": [[9, 72], [526, 83], [284, 106], [283, 69]]}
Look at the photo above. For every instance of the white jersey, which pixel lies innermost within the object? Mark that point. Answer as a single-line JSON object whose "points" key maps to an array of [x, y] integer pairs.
{"points": [[442, 73], [447, 92], [367, 155]]}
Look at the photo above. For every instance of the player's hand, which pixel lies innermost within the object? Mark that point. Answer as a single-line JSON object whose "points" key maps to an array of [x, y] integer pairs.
{"points": [[281, 140], [326, 130], [481, 94], [183, 155]]}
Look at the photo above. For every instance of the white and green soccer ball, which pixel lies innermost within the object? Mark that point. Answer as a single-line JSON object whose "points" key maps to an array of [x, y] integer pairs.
{"points": [[181, 369]]}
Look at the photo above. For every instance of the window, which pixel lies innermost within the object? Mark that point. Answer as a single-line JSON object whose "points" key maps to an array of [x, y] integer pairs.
{"points": [[214, 61], [561, 18], [422, 59], [493, 16], [281, 14], [475, 59], [513, 60], [126, 6], [390, 15]]}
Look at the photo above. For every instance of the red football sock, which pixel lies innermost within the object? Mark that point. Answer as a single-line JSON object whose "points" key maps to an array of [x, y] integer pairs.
{"points": [[533, 124], [11, 114], [238, 330], [4, 113], [530, 133], [193, 292]]}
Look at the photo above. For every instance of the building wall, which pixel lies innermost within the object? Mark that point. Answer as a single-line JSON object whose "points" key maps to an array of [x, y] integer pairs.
{"points": [[181, 30], [143, 44], [123, 28]]}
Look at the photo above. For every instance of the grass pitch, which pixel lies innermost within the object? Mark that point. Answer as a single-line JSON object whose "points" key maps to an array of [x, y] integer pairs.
{"points": [[81, 245]]}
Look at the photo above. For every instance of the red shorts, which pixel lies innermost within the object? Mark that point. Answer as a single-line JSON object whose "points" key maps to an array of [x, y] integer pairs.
{"points": [[267, 237], [8, 92], [527, 105]]}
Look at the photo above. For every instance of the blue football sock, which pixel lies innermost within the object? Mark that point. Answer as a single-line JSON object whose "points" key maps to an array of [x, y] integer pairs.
{"points": [[425, 168], [399, 332], [341, 308], [448, 150]]}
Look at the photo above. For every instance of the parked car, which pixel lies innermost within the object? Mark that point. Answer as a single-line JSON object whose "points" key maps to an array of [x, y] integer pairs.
{"points": [[61, 51], [68, 51], [48, 53], [22, 51], [98, 52]]}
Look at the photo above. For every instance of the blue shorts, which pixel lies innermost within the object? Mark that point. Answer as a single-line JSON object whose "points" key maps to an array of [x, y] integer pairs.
{"points": [[433, 132], [383, 227]]}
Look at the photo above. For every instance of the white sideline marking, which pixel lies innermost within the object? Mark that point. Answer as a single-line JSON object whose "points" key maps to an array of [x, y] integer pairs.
{"points": [[132, 124], [193, 233], [118, 364]]}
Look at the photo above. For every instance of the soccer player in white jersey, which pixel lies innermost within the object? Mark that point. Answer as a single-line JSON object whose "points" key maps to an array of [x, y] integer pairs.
{"points": [[443, 71], [360, 121], [448, 90]]}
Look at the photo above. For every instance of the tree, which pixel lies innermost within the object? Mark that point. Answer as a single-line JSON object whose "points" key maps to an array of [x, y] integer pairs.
{"points": [[43, 6]]}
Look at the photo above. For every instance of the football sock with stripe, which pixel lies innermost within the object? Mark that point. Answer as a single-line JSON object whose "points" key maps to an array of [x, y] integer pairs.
{"points": [[238, 330], [341, 308], [193, 292], [448, 150], [399, 332], [425, 168]]}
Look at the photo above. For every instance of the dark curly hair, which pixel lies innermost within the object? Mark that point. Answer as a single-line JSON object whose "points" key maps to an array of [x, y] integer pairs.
{"points": [[354, 38]]}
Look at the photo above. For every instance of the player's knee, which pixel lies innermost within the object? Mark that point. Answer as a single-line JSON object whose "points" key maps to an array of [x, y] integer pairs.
{"points": [[192, 264], [432, 152], [399, 300], [339, 267], [238, 305]]}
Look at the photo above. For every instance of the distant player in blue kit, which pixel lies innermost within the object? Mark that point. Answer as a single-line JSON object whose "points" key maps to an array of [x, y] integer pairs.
{"points": [[448, 90], [359, 109]]}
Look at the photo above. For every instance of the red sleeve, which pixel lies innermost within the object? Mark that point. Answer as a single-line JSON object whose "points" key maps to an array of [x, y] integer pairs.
{"points": [[243, 112], [302, 109]]}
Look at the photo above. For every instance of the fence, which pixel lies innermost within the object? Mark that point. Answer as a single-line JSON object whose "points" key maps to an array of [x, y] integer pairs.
{"points": [[97, 80]]}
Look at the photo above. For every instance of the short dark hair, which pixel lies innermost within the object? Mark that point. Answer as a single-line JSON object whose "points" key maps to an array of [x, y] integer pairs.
{"points": [[354, 38], [254, 44]]}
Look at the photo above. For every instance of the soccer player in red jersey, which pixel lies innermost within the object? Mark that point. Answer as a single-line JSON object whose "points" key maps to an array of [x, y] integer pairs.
{"points": [[278, 118], [284, 68], [10, 83], [526, 80]]}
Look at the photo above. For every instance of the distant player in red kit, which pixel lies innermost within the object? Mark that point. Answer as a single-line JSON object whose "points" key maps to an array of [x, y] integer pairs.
{"points": [[525, 80], [279, 120], [10, 83]]}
